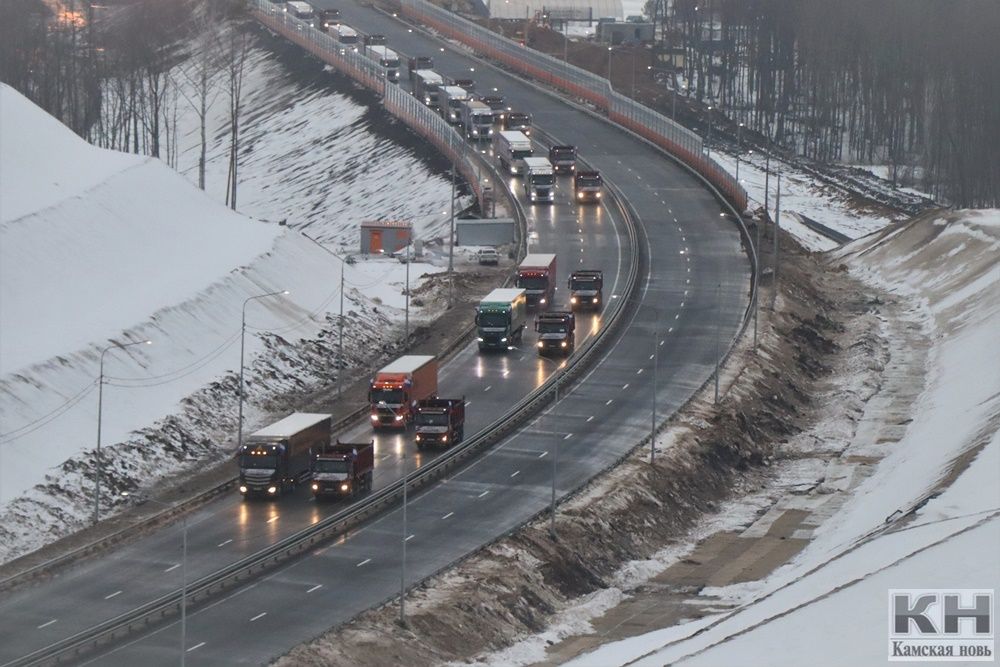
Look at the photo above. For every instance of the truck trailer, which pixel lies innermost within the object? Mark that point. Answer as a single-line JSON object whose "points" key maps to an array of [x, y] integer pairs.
{"points": [[556, 332], [500, 318], [585, 289], [510, 149], [426, 85], [440, 421], [396, 389], [536, 275], [477, 120], [343, 469], [274, 459], [587, 186], [539, 180]]}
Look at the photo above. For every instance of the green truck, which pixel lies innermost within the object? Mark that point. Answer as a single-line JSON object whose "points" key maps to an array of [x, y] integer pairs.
{"points": [[500, 318]]}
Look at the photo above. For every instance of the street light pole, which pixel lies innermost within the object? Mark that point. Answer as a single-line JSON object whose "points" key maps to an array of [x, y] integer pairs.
{"points": [[652, 430], [340, 326], [609, 64], [555, 469], [708, 141], [100, 411], [243, 331], [402, 570], [451, 239], [407, 338], [718, 319]]}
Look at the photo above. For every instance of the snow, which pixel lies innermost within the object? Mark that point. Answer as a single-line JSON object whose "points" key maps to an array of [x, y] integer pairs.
{"points": [[836, 588]]}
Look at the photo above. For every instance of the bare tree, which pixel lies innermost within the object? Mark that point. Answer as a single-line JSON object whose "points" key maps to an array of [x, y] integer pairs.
{"points": [[237, 46]]}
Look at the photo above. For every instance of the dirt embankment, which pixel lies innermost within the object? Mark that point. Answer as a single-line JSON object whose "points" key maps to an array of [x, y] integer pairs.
{"points": [[824, 322]]}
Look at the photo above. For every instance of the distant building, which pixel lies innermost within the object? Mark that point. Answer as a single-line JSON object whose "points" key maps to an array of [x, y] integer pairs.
{"points": [[613, 32], [575, 10], [385, 236]]}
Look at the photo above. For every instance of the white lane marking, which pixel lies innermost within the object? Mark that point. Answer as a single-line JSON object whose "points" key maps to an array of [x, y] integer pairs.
{"points": [[315, 588], [222, 544], [590, 418], [173, 567], [639, 372], [364, 562], [488, 388], [609, 401], [670, 330], [448, 515], [47, 624], [677, 316], [468, 403], [258, 616], [651, 357], [543, 455], [682, 304], [409, 538], [515, 474], [567, 436], [521, 358], [112, 595], [483, 494], [625, 386], [198, 645], [272, 519]]}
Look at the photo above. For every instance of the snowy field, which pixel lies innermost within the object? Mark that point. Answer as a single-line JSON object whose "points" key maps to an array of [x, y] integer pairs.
{"points": [[99, 248]]}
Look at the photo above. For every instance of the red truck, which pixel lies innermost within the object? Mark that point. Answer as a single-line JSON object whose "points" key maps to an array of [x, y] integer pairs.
{"points": [[396, 389], [537, 277], [440, 421], [343, 469]]}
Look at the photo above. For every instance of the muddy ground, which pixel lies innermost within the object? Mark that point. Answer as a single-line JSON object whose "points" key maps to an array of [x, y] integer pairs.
{"points": [[825, 323]]}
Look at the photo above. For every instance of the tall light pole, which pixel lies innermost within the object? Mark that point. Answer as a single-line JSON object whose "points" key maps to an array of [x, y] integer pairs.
{"points": [[405, 536], [451, 238], [409, 240], [708, 141], [340, 326], [100, 410], [777, 229], [718, 320], [243, 332], [652, 430], [555, 457], [609, 64], [184, 550]]}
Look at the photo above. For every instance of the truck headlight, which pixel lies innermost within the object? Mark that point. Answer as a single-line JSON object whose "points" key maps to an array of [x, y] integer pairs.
{"points": [[598, 195], [444, 438], [480, 339], [503, 340], [315, 486], [542, 300], [417, 438], [572, 299], [374, 418], [399, 418], [513, 170], [596, 299], [345, 487], [243, 489], [579, 195], [564, 344], [541, 344], [272, 490]]}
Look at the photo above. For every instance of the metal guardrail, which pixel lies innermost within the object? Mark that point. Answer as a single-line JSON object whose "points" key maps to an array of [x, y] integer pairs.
{"points": [[665, 133], [167, 606]]}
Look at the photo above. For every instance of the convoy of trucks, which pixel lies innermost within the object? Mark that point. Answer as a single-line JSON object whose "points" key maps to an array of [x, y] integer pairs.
{"points": [[342, 469], [396, 389], [477, 120], [451, 99], [563, 159], [588, 185], [276, 458], [536, 275], [500, 318], [539, 180], [439, 421], [510, 149], [426, 85], [585, 289], [556, 332]]}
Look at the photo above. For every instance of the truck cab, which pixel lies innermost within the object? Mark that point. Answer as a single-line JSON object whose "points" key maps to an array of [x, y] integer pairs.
{"points": [[539, 180], [556, 333], [451, 99], [498, 104], [346, 36], [396, 389], [500, 319], [585, 289], [342, 469], [536, 275], [275, 458], [517, 120], [511, 148], [328, 18], [303, 11], [387, 59], [418, 63], [439, 421], [426, 85], [563, 159], [588, 185], [477, 120]]}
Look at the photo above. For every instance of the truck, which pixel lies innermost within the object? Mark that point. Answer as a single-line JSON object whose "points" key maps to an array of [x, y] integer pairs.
{"points": [[342, 469], [374, 39], [587, 186], [387, 59], [418, 62], [346, 36], [563, 159], [556, 332], [511, 148], [440, 421], [277, 457], [426, 83], [468, 85], [536, 275], [300, 10], [517, 120], [498, 104], [328, 18], [500, 318], [585, 289], [477, 120], [539, 180], [396, 389], [451, 100]]}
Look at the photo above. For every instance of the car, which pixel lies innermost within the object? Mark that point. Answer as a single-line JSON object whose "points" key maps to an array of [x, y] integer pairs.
{"points": [[488, 256]]}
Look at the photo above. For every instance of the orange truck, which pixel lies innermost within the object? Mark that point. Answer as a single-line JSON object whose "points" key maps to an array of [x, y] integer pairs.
{"points": [[396, 389]]}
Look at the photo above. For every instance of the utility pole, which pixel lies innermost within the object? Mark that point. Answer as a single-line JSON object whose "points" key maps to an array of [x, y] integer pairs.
{"points": [[409, 240], [777, 230], [756, 292], [555, 467], [652, 430], [718, 300], [767, 186], [451, 239], [402, 571], [340, 326]]}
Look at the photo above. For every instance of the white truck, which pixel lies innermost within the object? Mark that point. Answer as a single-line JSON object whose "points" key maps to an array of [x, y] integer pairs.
{"points": [[539, 180], [452, 99], [303, 11], [477, 120], [345, 35], [387, 59], [511, 147], [426, 85]]}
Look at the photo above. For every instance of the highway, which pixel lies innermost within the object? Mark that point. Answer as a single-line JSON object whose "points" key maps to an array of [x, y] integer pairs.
{"points": [[695, 293]]}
